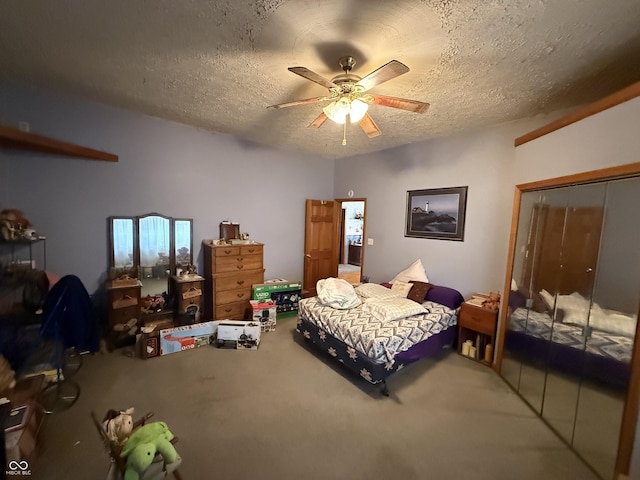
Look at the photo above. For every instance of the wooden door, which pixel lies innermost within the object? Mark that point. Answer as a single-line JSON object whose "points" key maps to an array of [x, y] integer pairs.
{"points": [[580, 250], [547, 266], [321, 242], [564, 243]]}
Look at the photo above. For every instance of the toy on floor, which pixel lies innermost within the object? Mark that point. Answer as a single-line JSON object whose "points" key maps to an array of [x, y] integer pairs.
{"points": [[118, 425], [142, 446]]}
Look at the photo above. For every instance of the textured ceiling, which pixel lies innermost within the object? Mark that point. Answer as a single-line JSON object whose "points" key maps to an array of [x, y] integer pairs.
{"points": [[217, 65]]}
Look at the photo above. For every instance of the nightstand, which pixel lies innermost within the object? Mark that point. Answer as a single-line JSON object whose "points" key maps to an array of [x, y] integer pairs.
{"points": [[188, 290], [477, 328]]}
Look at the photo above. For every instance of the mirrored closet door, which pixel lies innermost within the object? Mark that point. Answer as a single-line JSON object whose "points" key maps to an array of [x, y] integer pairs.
{"points": [[570, 327]]}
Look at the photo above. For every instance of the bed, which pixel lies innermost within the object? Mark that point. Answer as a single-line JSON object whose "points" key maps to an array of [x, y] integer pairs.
{"points": [[373, 346], [605, 356]]}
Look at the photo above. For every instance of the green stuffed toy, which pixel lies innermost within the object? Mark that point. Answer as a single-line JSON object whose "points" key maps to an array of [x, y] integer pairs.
{"points": [[142, 446]]}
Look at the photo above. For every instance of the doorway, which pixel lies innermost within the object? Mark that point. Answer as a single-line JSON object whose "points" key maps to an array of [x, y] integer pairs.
{"points": [[351, 254]]}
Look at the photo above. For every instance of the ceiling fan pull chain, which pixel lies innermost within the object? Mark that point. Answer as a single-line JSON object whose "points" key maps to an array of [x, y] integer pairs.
{"points": [[344, 133]]}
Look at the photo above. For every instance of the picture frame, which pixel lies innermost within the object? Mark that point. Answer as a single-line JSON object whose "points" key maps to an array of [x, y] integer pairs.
{"points": [[437, 213]]}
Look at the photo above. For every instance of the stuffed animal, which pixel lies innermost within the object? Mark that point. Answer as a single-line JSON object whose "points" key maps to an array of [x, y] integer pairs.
{"points": [[12, 224], [153, 303], [492, 302], [118, 425], [142, 446]]}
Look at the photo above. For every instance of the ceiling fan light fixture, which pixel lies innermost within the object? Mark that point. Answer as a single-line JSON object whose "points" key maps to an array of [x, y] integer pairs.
{"points": [[358, 110], [338, 110]]}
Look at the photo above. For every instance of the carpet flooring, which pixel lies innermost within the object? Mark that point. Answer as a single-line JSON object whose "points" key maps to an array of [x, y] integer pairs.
{"points": [[284, 412]]}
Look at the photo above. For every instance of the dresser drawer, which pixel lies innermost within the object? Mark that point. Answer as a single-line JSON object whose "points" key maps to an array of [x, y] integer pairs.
{"points": [[123, 297], [231, 296], [123, 315], [238, 263], [478, 319], [251, 250], [231, 311], [226, 251], [239, 280]]}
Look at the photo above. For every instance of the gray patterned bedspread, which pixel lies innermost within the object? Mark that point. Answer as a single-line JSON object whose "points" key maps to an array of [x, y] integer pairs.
{"points": [[380, 341], [601, 343]]}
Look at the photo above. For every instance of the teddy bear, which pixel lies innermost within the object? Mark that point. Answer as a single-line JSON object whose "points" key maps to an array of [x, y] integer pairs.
{"points": [[118, 425], [142, 446]]}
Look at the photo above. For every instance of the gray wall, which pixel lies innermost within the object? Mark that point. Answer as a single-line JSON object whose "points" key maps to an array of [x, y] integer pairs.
{"points": [[483, 161], [164, 167]]}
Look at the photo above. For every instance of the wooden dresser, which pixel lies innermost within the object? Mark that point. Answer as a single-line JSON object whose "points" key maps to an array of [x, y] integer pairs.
{"points": [[123, 313], [230, 271]]}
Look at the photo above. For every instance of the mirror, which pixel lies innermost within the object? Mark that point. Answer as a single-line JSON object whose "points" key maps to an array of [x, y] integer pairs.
{"points": [[570, 326], [154, 247], [122, 240], [183, 235], [154, 244]]}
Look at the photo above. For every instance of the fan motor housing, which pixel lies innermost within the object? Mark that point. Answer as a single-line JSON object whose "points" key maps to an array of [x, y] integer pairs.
{"points": [[346, 81]]}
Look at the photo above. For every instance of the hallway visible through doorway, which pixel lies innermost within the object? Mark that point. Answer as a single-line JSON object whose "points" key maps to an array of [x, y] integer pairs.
{"points": [[350, 273], [351, 233]]}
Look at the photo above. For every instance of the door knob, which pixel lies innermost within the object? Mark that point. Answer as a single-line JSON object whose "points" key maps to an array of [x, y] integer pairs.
{"points": [[589, 270], [307, 255]]}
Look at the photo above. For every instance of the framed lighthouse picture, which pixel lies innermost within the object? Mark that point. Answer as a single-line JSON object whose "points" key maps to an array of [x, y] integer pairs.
{"points": [[436, 213]]}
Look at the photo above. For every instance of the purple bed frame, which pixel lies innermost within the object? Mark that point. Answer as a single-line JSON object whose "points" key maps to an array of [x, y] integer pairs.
{"points": [[373, 372]]}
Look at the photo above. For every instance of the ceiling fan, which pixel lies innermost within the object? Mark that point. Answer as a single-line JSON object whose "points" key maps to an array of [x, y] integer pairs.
{"points": [[348, 97]]}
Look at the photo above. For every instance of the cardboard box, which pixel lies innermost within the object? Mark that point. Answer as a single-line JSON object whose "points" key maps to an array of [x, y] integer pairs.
{"points": [[238, 334], [177, 339], [148, 344], [264, 313], [285, 295]]}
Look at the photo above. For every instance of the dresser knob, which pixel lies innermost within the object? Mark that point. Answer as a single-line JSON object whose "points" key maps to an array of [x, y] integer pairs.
{"points": [[240, 267], [240, 282], [227, 252], [240, 295]]}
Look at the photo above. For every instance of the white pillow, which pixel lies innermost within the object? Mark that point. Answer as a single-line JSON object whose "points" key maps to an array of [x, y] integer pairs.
{"points": [[375, 290], [415, 271], [401, 287], [387, 309]]}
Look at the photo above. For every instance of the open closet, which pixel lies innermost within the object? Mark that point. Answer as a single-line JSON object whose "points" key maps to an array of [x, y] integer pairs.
{"points": [[568, 325]]}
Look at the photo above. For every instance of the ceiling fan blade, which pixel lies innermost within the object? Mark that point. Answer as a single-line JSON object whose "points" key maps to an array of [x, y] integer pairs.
{"points": [[314, 77], [306, 101], [401, 103], [320, 119], [385, 73], [369, 126]]}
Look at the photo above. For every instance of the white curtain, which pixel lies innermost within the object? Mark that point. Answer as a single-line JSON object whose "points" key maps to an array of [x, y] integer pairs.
{"points": [[123, 242], [154, 240]]}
